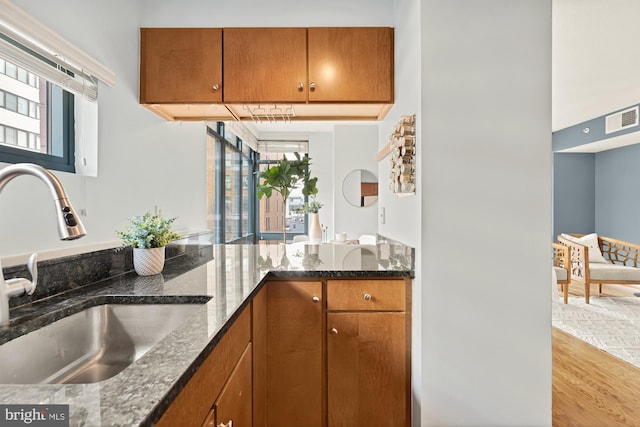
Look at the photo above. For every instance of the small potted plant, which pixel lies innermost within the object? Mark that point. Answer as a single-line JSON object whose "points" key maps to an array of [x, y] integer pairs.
{"points": [[315, 230], [148, 234]]}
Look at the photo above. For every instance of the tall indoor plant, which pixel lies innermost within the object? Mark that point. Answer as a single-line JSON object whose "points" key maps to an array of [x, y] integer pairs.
{"points": [[283, 178], [148, 234]]}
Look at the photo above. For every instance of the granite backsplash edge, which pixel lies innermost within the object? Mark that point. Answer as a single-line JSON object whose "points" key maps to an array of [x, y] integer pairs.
{"points": [[60, 275]]}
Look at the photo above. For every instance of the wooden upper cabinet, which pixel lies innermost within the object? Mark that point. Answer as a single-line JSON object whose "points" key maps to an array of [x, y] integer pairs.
{"points": [[351, 64], [265, 65], [180, 65]]}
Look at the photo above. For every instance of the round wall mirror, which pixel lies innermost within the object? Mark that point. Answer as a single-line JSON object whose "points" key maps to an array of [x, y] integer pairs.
{"points": [[360, 188]]}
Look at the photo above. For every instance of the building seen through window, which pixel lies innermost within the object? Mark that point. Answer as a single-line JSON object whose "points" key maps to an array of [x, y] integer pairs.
{"points": [[36, 120]]}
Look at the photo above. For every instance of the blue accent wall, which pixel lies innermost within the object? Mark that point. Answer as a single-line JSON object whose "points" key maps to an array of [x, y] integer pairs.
{"points": [[617, 189], [574, 135], [574, 199]]}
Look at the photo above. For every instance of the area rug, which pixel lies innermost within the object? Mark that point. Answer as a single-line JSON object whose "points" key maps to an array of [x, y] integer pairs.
{"points": [[610, 323]]}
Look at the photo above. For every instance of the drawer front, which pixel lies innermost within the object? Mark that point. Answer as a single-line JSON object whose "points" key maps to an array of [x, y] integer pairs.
{"points": [[366, 295]]}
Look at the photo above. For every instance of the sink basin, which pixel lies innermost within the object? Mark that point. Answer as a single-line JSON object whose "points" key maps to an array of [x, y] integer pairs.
{"points": [[91, 345]]}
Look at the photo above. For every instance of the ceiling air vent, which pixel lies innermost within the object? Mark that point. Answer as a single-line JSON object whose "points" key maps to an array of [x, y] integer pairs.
{"points": [[621, 120]]}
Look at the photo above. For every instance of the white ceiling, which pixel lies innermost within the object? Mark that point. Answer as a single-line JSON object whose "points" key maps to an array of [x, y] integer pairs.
{"points": [[595, 61]]}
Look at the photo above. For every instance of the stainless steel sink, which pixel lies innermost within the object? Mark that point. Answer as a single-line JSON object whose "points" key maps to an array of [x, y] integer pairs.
{"points": [[91, 345]]}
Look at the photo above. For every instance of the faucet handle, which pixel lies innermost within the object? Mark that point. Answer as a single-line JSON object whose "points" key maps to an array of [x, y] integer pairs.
{"points": [[32, 266], [20, 286]]}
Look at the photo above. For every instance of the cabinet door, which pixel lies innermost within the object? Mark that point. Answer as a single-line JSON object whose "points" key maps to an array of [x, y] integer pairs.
{"points": [[294, 354], [368, 377], [265, 64], [195, 400], [233, 406], [351, 64], [180, 65]]}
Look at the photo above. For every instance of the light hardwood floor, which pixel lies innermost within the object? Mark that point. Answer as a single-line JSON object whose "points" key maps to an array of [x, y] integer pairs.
{"points": [[590, 386], [577, 289]]}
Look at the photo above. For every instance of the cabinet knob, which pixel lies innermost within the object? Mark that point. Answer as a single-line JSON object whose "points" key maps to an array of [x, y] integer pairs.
{"points": [[215, 87], [334, 331], [229, 424], [315, 299], [300, 87], [312, 86], [367, 297]]}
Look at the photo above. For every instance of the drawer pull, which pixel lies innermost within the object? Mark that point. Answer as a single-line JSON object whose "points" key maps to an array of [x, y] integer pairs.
{"points": [[315, 299], [367, 297], [334, 331]]}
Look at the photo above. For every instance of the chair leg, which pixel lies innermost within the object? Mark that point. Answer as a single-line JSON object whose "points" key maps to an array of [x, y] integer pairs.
{"points": [[565, 290], [587, 291]]}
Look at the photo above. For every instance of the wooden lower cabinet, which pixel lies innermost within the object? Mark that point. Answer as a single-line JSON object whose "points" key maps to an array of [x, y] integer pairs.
{"points": [[193, 405], [367, 376], [338, 353], [233, 406], [307, 353], [294, 363]]}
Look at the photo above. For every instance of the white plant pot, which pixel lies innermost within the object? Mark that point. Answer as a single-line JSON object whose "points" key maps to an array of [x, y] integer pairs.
{"points": [[148, 262], [315, 231]]}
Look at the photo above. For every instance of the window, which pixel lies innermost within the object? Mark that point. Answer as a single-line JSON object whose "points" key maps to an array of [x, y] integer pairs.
{"points": [[230, 187], [36, 119], [45, 81], [273, 213]]}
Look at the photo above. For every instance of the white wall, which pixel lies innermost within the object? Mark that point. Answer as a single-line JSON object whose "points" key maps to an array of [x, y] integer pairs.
{"points": [[593, 71], [355, 148], [274, 13], [486, 212], [143, 161], [403, 215], [321, 152]]}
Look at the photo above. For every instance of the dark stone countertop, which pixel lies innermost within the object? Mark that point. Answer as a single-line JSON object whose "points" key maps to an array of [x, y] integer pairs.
{"points": [[223, 286]]}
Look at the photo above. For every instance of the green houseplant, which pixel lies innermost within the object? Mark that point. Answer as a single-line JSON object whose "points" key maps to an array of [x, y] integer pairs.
{"points": [[148, 234], [283, 178], [312, 207]]}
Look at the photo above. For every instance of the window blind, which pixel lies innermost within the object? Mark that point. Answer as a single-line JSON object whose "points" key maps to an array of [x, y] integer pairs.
{"points": [[283, 146], [67, 80], [32, 45]]}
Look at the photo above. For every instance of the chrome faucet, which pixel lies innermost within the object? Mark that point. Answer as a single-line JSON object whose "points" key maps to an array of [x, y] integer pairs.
{"points": [[69, 227]]}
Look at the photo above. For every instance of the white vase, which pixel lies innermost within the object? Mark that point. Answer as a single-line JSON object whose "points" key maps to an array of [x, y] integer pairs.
{"points": [[315, 231], [148, 262]]}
